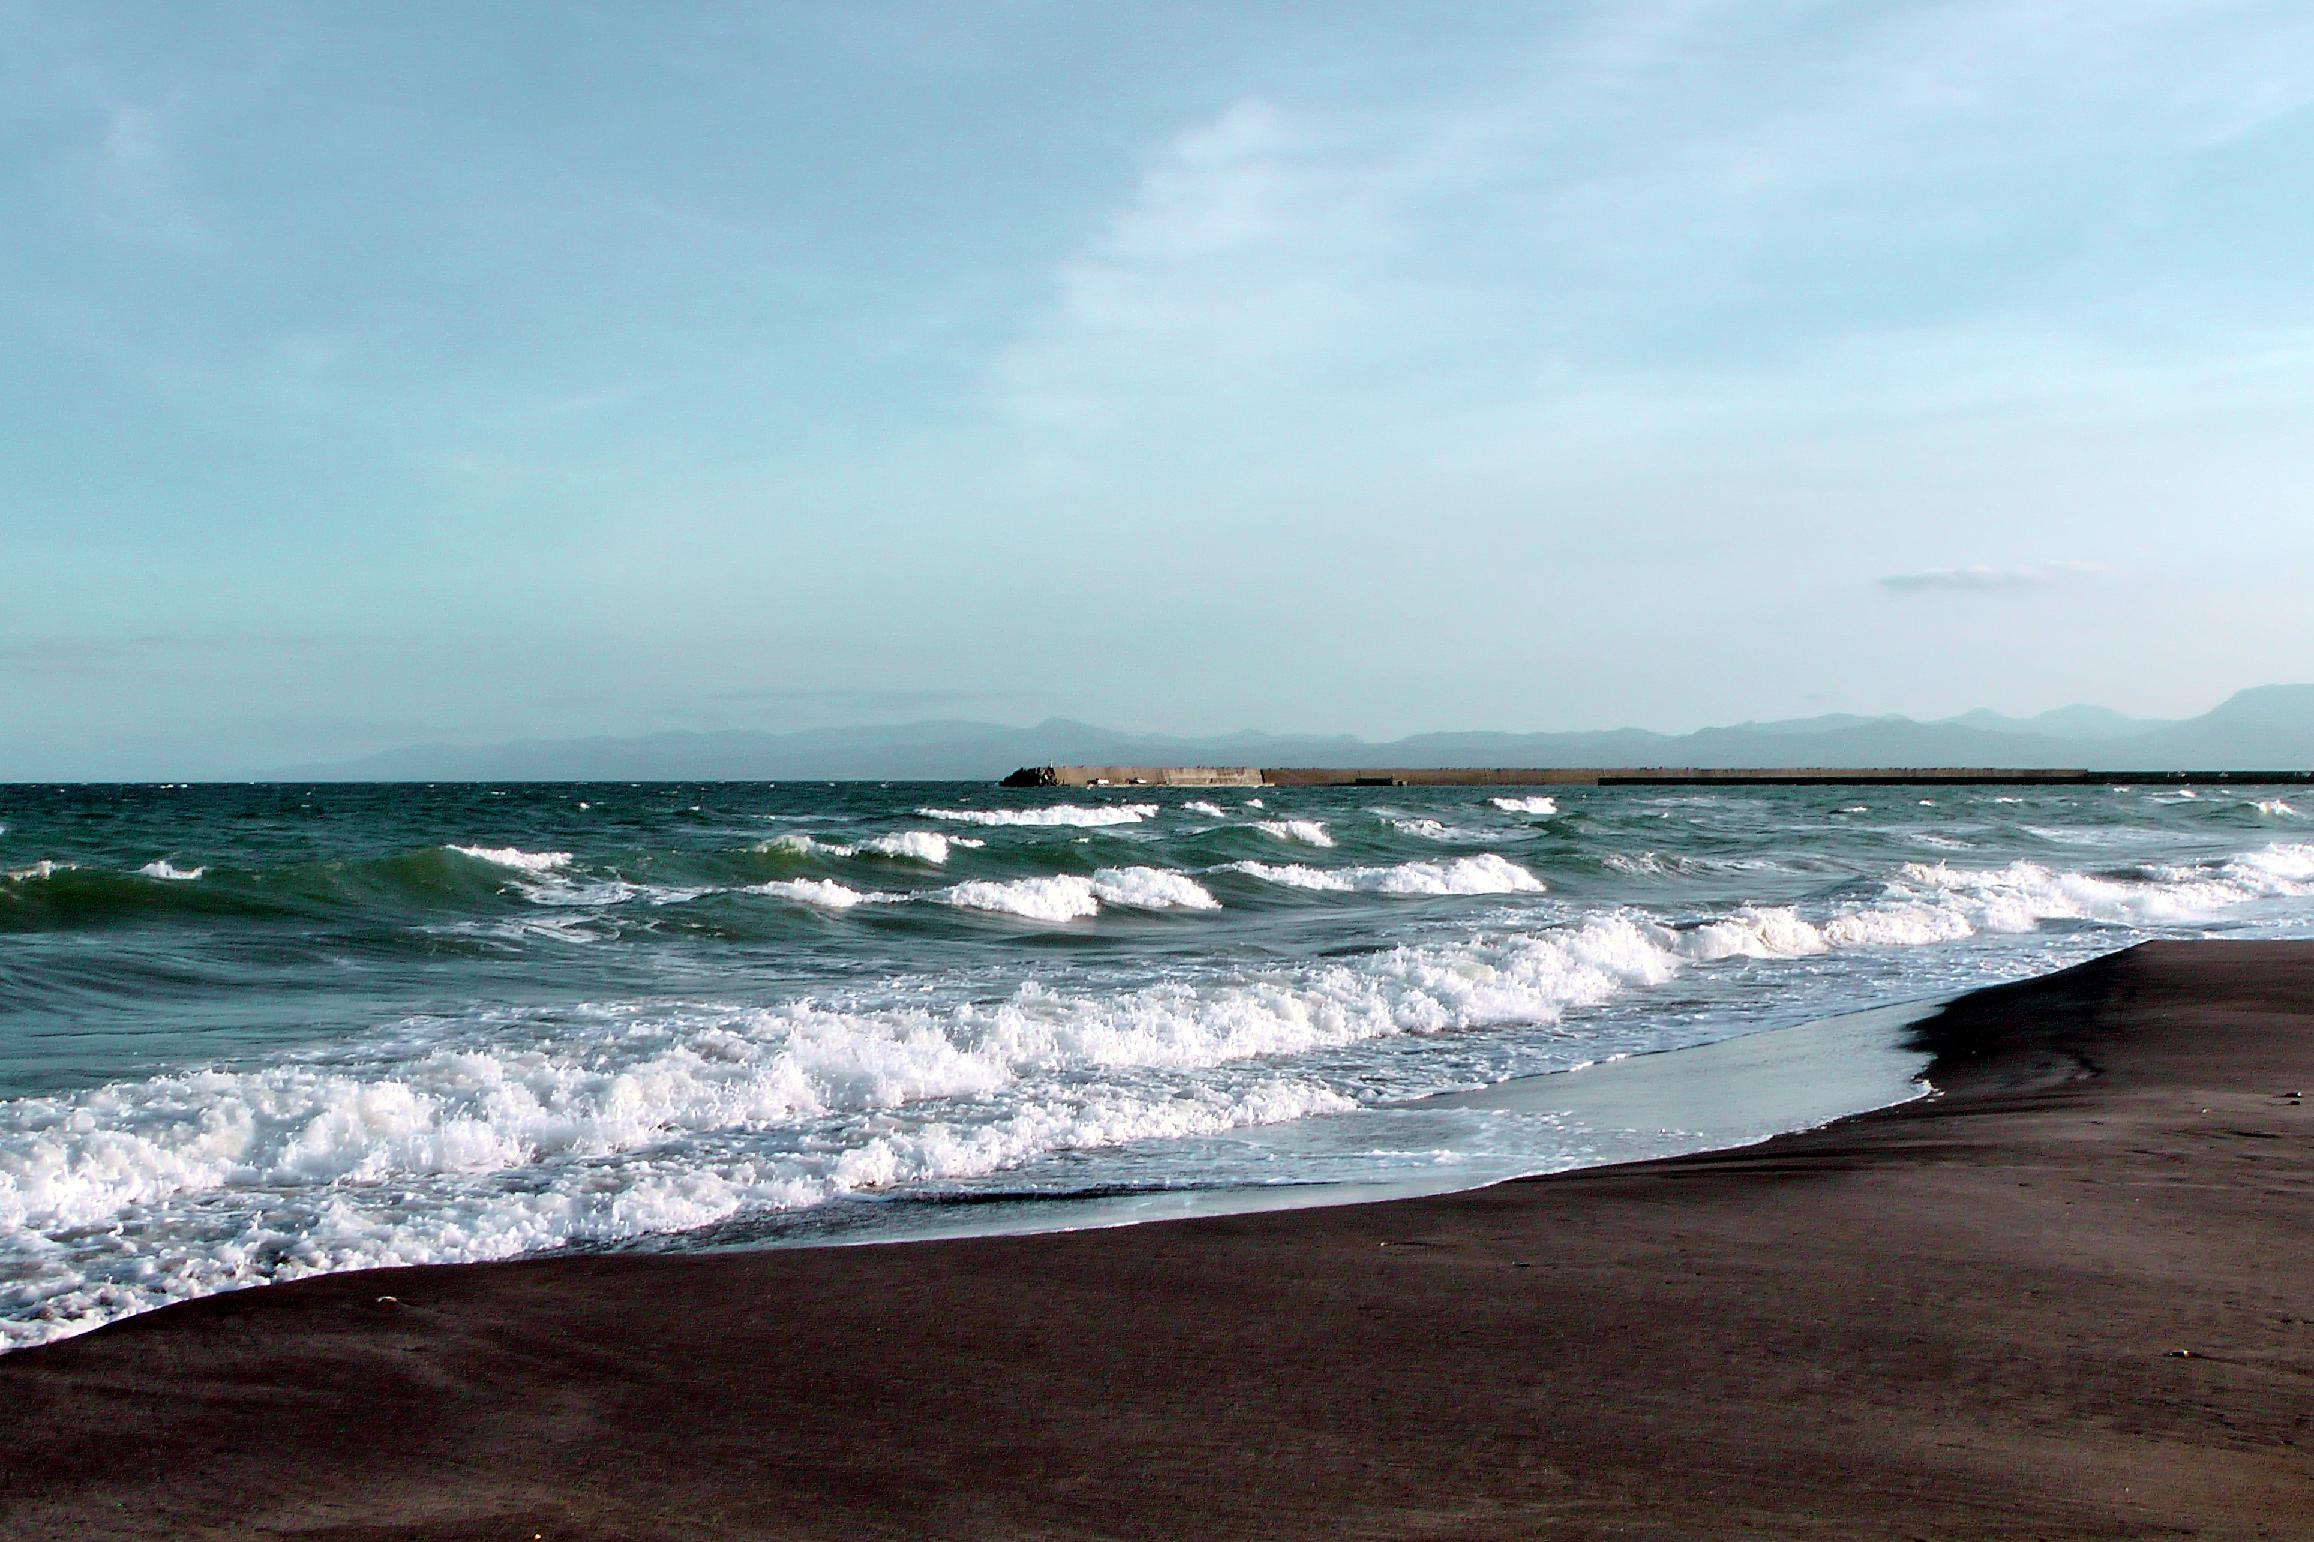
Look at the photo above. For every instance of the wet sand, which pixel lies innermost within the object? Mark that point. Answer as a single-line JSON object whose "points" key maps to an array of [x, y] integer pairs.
{"points": [[2072, 1295]]}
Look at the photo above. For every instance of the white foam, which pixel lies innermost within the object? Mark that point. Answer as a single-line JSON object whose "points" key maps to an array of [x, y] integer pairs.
{"points": [[469, 1139], [1309, 832], [1062, 897], [2022, 896], [1429, 829], [42, 869], [927, 846], [2274, 808], [1058, 814], [930, 847], [1152, 888], [1210, 810], [162, 867], [1068, 897], [1482, 874], [516, 858], [797, 843], [1779, 931], [1535, 805], [824, 892], [506, 1131], [1928, 903], [226, 1179], [2279, 870]]}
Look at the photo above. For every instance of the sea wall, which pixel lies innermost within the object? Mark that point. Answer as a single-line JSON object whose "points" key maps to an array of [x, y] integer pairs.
{"points": [[1622, 776], [1136, 776]]}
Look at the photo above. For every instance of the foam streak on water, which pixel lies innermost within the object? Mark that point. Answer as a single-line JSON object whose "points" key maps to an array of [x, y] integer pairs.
{"points": [[335, 1027]]}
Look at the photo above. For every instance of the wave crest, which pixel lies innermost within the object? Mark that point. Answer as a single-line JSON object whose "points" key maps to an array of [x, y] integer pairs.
{"points": [[1062, 814], [1482, 874], [1068, 897], [1309, 832]]}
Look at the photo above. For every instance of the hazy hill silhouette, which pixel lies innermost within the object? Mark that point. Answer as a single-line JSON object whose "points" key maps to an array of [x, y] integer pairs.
{"points": [[2267, 728]]}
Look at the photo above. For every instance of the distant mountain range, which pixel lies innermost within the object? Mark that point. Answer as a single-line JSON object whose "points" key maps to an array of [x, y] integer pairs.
{"points": [[2270, 728]]}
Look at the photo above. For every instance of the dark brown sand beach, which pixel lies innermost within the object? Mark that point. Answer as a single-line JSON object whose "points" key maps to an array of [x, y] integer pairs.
{"points": [[2071, 1296]]}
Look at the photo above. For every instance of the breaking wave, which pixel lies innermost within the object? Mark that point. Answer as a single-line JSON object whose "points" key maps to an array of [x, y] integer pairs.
{"points": [[1067, 897], [1059, 814], [519, 860], [40, 871], [823, 892], [1016, 1009], [163, 868], [926, 846], [1487, 874], [517, 1132]]}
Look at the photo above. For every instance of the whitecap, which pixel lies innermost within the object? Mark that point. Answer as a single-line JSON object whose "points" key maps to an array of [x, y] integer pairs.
{"points": [[1152, 888], [1482, 874], [927, 846], [824, 892], [1056, 814], [163, 868], [1070, 897], [1061, 897], [42, 869], [1309, 832], [1429, 829], [797, 843], [516, 858]]}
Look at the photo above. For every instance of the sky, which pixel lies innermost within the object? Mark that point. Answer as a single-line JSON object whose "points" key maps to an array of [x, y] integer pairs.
{"points": [[481, 371]]}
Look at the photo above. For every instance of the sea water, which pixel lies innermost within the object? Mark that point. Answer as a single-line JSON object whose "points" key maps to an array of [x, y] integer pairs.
{"points": [[254, 1032]]}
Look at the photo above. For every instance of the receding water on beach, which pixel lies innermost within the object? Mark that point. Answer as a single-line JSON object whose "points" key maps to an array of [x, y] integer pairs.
{"points": [[248, 1033]]}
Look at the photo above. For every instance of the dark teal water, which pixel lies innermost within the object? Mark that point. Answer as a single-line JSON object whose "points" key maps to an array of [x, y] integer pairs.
{"points": [[248, 1032]]}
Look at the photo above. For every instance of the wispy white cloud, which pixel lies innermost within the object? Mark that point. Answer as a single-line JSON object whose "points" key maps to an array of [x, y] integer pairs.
{"points": [[1236, 260], [1622, 206], [1990, 580], [133, 179]]}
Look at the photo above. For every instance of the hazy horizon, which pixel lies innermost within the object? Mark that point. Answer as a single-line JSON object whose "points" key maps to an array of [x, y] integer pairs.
{"points": [[485, 373], [2267, 727]]}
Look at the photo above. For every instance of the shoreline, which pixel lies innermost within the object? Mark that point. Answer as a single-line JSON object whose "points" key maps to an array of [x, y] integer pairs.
{"points": [[1960, 1316], [1723, 1094]]}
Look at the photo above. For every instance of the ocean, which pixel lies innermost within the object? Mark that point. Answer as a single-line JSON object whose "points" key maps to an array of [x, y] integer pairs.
{"points": [[249, 1033]]}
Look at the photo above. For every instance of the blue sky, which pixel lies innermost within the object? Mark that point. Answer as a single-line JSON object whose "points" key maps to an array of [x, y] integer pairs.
{"points": [[381, 373]]}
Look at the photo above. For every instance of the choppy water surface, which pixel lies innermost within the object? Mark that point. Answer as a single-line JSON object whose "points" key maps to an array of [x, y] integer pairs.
{"points": [[253, 1032]]}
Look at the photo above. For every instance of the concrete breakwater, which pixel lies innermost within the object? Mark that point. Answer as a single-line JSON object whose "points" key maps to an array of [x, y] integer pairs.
{"points": [[1620, 776]]}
